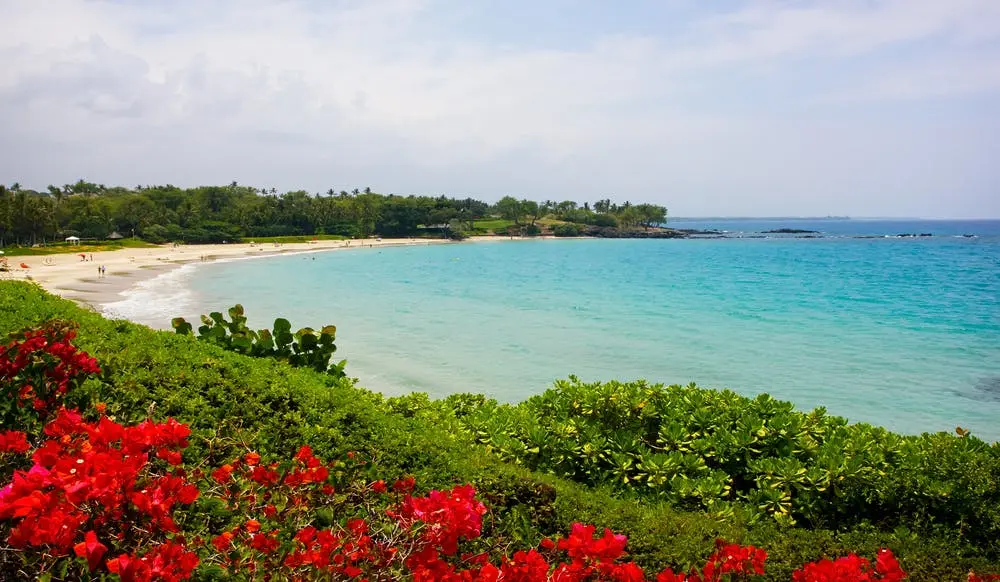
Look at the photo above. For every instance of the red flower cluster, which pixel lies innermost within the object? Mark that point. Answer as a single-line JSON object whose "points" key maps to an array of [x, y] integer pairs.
{"points": [[13, 441], [96, 476], [852, 568], [169, 562], [40, 366], [338, 552], [309, 469], [443, 517], [727, 559]]}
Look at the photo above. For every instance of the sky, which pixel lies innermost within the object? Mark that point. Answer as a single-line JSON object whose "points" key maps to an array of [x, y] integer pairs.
{"points": [[711, 108]]}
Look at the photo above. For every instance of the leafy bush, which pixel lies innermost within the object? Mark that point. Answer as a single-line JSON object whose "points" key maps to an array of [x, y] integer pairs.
{"points": [[156, 233], [304, 348], [604, 220], [567, 229], [735, 456], [532, 230]]}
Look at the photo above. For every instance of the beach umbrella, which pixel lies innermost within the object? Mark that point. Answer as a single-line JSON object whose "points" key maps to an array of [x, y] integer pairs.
{"points": [[25, 266], [72, 239]]}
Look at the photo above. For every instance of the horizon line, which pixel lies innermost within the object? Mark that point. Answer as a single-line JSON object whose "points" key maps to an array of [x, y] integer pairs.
{"points": [[893, 218]]}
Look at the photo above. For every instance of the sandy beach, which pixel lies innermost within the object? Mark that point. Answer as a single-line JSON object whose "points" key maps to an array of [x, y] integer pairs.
{"points": [[73, 277]]}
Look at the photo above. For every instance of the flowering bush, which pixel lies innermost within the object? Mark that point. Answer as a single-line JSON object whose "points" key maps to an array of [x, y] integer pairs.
{"points": [[93, 483], [98, 498], [37, 370], [851, 568]]}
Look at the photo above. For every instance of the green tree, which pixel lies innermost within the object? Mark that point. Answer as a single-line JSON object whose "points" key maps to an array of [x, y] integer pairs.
{"points": [[509, 208], [134, 213], [651, 215]]}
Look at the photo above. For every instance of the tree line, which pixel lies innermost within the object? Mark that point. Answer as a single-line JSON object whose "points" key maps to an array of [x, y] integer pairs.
{"points": [[209, 214]]}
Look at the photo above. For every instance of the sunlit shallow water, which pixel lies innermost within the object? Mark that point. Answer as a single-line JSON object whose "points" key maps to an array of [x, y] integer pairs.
{"points": [[903, 333]]}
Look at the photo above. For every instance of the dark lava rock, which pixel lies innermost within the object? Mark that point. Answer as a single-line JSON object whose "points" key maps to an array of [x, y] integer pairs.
{"points": [[696, 232], [612, 232], [790, 231]]}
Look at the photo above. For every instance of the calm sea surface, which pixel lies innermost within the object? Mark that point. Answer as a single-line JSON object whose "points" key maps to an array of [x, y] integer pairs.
{"points": [[901, 332]]}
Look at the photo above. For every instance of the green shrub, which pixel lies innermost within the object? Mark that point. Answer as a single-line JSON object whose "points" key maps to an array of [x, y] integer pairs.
{"points": [[567, 229], [605, 220], [304, 348], [749, 458]]}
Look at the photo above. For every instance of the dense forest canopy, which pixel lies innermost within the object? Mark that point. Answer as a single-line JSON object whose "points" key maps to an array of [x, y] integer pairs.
{"points": [[220, 213]]}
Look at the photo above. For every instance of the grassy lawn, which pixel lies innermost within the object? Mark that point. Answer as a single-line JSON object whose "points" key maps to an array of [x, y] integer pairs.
{"points": [[492, 224], [80, 247]]}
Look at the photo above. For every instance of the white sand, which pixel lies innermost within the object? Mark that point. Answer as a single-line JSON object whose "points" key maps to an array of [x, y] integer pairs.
{"points": [[69, 276]]}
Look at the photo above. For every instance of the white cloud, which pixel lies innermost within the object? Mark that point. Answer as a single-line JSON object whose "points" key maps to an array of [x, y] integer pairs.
{"points": [[384, 92]]}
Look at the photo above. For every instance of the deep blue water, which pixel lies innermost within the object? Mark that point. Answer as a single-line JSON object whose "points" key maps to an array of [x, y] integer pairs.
{"points": [[844, 228], [902, 332]]}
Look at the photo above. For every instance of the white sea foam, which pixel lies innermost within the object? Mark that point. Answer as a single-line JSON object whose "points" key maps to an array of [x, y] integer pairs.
{"points": [[155, 301]]}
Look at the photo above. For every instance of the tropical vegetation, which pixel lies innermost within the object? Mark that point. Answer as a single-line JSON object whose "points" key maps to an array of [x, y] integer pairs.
{"points": [[726, 454], [215, 214], [168, 456]]}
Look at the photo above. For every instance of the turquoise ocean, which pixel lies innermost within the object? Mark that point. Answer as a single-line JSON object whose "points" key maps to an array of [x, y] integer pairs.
{"points": [[903, 332]]}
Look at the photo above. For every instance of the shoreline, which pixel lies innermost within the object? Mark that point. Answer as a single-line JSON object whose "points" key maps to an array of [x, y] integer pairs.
{"points": [[69, 276]]}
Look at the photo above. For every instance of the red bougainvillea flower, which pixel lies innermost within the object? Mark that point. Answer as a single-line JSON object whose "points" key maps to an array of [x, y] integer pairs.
{"points": [[581, 544], [91, 549], [223, 542], [13, 441], [169, 562], [851, 568], [40, 366], [129, 568], [223, 474], [405, 485], [735, 559], [447, 516], [94, 476]]}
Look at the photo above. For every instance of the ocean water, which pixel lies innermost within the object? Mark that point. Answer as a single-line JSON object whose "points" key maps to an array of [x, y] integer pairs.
{"points": [[900, 332]]}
